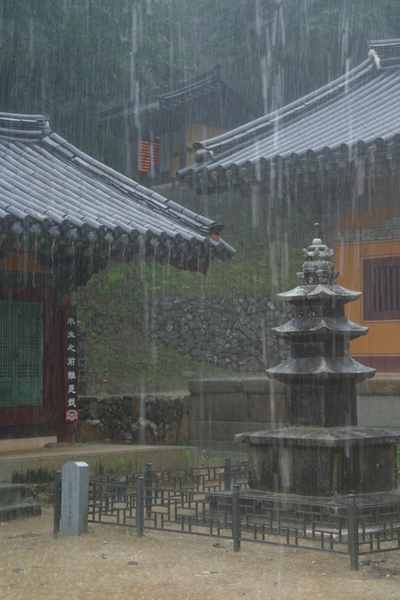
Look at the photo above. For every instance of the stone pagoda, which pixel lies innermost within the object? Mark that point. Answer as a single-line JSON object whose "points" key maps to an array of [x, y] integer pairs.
{"points": [[321, 451]]}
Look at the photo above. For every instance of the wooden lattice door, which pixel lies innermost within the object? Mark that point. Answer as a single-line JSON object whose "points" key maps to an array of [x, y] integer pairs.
{"points": [[20, 353]]}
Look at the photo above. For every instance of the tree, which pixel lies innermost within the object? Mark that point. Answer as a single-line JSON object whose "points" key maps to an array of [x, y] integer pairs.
{"points": [[71, 58], [274, 51]]}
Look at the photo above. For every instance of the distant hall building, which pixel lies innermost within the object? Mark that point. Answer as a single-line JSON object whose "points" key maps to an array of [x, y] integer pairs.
{"points": [[159, 130]]}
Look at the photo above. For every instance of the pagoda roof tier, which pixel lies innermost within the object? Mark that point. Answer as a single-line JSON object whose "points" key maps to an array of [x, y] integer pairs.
{"points": [[320, 328], [319, 369], [319, 292]]}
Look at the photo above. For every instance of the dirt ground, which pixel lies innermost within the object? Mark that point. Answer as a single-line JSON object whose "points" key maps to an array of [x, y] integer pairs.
{"points": [[110, 562]]}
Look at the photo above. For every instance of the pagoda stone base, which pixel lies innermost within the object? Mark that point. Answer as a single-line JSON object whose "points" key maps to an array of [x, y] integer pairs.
{"points": [[318, 461]]}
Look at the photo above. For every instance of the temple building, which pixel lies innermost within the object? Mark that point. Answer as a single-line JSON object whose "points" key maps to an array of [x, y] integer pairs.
{"points": [[63, 217], [335, 153], [160, 128]]}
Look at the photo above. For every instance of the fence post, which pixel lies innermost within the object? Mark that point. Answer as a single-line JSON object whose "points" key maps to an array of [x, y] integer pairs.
{"points": [[236, 517], [147, 493], [227, 474], [139, 507], [57, 502], [352, 526]]}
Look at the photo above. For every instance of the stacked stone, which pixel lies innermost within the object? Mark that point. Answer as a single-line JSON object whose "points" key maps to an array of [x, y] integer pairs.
{"points": [[234, 334], [153, 419], [321, 451], [320, 376]]}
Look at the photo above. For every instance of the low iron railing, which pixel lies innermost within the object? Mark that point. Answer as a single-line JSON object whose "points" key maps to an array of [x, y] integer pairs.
{"points": [[216, 501]]}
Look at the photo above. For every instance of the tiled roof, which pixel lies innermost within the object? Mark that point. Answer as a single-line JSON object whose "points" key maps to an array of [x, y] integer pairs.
{"points": [[48, 186], [171, 96], [353, 115], [159, 104]]}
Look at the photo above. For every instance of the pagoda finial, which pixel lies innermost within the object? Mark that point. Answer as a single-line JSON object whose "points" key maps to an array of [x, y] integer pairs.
{"points": [[318, 267], [317, 240]]}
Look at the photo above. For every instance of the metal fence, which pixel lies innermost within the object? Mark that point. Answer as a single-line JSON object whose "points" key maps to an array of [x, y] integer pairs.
{"points": [[216, 501]]}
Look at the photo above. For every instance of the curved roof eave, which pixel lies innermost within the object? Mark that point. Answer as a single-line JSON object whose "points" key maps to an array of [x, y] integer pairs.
{"points": [[359, 109], [47, 183]]}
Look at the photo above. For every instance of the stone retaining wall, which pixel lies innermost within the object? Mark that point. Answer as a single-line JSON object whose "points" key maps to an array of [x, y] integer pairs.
{"points": [[378, 401], [208, 418], [135, 420], [221, 408], [232, 333], [215, 411]]}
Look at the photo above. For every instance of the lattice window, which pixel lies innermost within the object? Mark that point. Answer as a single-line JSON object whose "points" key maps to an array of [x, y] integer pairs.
{"points": [[144, 156], [149, 155], [29, 320], [20, 353], [6, 345], [381, 288]]}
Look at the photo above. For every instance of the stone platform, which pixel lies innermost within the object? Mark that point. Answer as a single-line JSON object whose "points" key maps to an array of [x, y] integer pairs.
{"points": [[319, 461]]}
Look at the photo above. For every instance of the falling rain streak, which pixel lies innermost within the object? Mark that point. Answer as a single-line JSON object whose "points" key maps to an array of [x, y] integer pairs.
{"points": [[256, 104], [74, 61]]}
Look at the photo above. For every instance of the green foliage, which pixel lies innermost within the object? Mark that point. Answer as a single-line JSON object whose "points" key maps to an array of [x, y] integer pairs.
{"points": [[398, 457], [205, 458], [115, 305], [119, 469], [214, 458], [120, 465], [120, 357], [186, 459], [68, 59], [275, 51], [72, 58]]}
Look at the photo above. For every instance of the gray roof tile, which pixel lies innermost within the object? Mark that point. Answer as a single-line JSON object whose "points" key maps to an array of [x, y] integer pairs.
{"points": [[358, 109], [43, 175]]}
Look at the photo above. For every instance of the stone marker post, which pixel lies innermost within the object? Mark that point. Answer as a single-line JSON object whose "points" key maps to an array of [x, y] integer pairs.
{"points": [[74, 498]]}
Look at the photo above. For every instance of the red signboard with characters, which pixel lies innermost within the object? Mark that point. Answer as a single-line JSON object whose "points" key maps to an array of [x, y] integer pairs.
{"points": [[71, 364]]}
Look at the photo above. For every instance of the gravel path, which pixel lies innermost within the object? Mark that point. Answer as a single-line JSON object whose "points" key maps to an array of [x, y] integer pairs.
{"points": [[112, 563]]}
